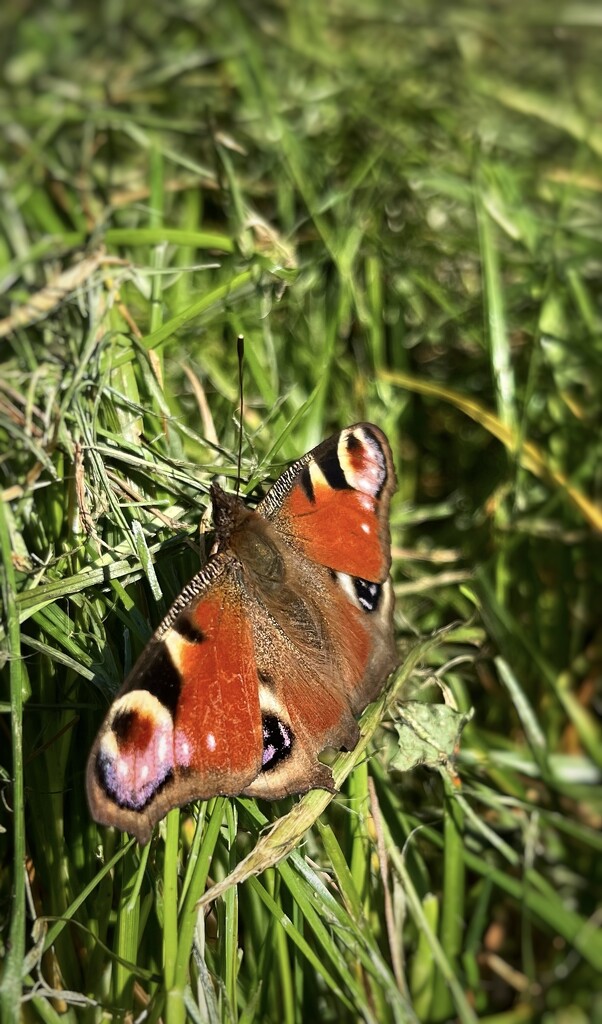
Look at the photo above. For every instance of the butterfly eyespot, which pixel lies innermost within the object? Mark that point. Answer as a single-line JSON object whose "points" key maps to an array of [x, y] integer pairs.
{"points": [[363, 461], [114, 779], [135, 754], [132, 730], [361, 592], [277, 742], [368, 594]]}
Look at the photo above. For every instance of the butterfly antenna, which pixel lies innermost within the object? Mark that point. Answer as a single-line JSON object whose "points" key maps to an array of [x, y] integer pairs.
{"points": [[240, 350]]}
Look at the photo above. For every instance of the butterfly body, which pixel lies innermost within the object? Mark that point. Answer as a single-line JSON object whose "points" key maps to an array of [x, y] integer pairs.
{"points": [[269, 653]]}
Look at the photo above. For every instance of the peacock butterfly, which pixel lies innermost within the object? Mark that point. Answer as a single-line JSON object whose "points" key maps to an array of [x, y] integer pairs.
{"points": [[269, 653]]}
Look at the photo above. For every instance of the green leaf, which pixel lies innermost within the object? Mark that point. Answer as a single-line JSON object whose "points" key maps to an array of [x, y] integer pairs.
{"points": [[429, 734]]}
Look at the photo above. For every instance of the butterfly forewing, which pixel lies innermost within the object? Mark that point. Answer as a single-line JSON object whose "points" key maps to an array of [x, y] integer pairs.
{"points": [[187, 722], [334, 503]]}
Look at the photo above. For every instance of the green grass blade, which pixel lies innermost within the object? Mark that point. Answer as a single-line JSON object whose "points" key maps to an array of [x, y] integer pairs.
{"points": [[10, 984]]}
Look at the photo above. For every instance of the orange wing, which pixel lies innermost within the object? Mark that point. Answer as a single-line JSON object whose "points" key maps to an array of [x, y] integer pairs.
{"points": [[187, 722], [334, 503]]}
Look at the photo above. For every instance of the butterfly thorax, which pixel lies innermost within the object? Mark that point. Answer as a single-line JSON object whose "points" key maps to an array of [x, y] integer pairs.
{"points": [[269, 571], [229, 513], [247, 535]]}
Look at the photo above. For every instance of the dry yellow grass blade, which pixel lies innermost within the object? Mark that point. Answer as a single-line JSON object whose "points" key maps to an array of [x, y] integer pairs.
{"points": [[51, 296], [527, 453]]}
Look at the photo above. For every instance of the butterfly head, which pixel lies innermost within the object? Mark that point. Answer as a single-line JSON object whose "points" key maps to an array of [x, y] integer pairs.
{"points": [[229, 513]]}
